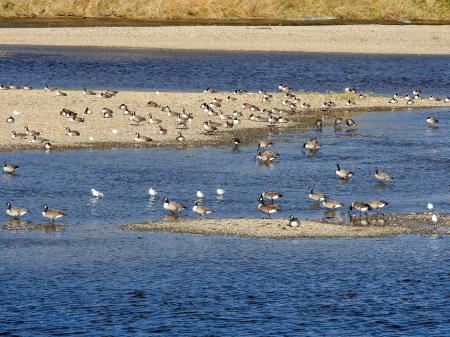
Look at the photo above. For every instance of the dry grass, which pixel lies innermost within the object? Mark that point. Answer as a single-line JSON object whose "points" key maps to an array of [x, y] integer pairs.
{"points": [[230, 9]]}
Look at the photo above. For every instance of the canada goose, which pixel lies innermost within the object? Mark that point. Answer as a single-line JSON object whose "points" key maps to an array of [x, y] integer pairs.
{"points": [[305, 105], [37, 139], [31, 132], [293, 221], [331, 204], [380, 175], [52, 214], [343, 174], [263, 144], [338, 122], [315, 195], [12, 86], [267, 156], [410, 102], [10, 119], [60, 93], [172, 205], [9, 168], [362, 96], [152, 192], [417, 92], [271, 195], [201, 210], [137, 119], [393, 100], [107, 114], [267, 209], [350, 103], [123, 107], [47, 88], [210, 91], [319, 125], [377, 204], [162, 131], [15, 212], [180, 138], [236, 142], [220, 192], [71, 133], [350, 122], [96, 194], [152, 120], [47, 145], [141, 139], [359, 206], [18, 135], [432, 121], [230, 98], [447, 99], [209, 128], [152, 104], [76, 119], [89, 92], [312, 145], [350, 89]]}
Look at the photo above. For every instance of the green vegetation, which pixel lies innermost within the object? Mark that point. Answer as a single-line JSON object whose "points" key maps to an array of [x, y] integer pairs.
{"points": [[230, 9]]}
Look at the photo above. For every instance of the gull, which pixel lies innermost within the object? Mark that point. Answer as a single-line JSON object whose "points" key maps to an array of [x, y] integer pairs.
{"points": [[200, 195], [434, 219], [96, 194], [115, 131], [220, 192], [430, 206]]}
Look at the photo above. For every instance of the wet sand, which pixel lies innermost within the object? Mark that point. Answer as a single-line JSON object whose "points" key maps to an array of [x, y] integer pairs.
{"points": [[377, 226], [376, 39], [40, 111]]}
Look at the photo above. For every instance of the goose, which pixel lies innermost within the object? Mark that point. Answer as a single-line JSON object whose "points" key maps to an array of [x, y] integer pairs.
{"points": [[230, 98], [96, 194], [152, 120], [76, 119], [410, 102], [267, 209], [60, 93], [315, 195], [293, 221], [200, 195], [12, 86], [88, 111], [383, 176], [447, 99], [343, 174], [4, 87], [209, 128], [271, 195], [319, 125], [141, 139], [362, 96], [18, 135], [162, 131], [210, 91], [350, 122], [264, 144], [431, 121], [47, 145], [350, 103], [106, 110], [331, 204], [123, 107], [152, 104], [220, 192], [107, 114], [152, 192], [47, 88], [305, 106], [267, 156], [37, 139], [52, 214], [89, 92], [9, 168], [16, 212], [350, 89], [393, 100], [72, 133], [377, 204], [338, 122], [137, 119], [180, 138], [417, 92], [201, 210], [172, 205], [359, 206], [312, 145], [236, 142], [10, 119], [31, 132]]}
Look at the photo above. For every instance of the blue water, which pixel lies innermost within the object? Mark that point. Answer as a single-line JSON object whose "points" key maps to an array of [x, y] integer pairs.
{"points": [[194, 71], [89, 278]]}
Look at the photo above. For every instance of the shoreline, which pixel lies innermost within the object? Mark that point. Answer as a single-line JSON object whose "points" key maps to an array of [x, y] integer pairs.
{"points": [[277, 228], [361, 39], [40, 111]]}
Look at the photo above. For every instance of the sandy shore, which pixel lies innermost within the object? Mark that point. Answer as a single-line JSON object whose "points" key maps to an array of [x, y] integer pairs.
{"points": [[40, 111], [377, 226], [379, 39]]}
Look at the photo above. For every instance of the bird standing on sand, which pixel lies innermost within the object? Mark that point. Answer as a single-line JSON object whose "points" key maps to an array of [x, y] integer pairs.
{"points": [[293, 221], [201, 210]]}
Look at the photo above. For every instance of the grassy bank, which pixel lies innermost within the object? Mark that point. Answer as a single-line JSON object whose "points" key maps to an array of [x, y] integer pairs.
{"points": [[230, 9]]}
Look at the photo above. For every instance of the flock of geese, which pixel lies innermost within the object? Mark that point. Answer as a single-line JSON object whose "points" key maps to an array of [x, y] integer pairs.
{"points": [[266, 199]]}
